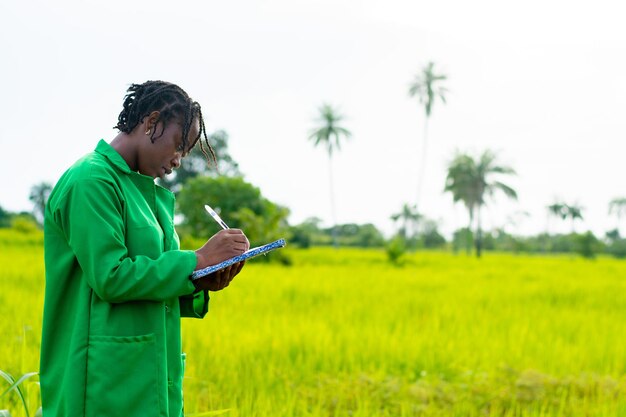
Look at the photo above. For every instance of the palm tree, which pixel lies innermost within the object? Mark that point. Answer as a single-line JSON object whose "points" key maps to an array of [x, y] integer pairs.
{"points": [[617, 206], [574, 212], [425, 87], [470, 182], [329, 134], [409, 218], [558, 210], [563, 211]]}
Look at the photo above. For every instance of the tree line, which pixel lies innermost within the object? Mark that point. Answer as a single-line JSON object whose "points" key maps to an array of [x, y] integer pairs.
{"points": [[471, 181]]}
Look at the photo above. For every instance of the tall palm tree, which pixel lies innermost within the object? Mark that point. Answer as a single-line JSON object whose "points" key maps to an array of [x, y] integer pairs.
{"points": [[409, 218], [329, 134], [470, 181], [425, 87]]}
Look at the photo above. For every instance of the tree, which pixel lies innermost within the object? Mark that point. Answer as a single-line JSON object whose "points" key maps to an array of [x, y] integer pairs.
{"points": [[39, 194], [430, 236], [239, 203], [360, 235], [425, 87], [617, 207], [574, 212], [195, 163], [5, 218], [302, 235], [563, 211], [329, 134], [409, 219], [557, 209], [470, 181]]}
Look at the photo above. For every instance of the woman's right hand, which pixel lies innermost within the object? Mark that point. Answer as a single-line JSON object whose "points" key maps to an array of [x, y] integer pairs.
{"points": [[221, 246]]}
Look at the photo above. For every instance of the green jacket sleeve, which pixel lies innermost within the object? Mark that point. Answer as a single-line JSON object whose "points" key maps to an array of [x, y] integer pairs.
{"points": [[93, 220], [195, 305]]}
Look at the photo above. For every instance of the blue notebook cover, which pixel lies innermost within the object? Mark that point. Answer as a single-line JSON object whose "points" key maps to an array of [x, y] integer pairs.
{"points": [[259, 250]]}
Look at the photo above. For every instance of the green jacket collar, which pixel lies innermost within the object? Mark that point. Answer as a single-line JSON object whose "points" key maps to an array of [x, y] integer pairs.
{"points": [[111, 154], [118, 162]]}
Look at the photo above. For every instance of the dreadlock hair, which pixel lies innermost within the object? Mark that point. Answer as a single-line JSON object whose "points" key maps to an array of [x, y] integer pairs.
{"points": [[172, 102]]}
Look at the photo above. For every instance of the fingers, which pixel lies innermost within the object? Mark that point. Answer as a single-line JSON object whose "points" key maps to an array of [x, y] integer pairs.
{"points": [[238, 266], [230, 273], [236, 238], [223, 245]]}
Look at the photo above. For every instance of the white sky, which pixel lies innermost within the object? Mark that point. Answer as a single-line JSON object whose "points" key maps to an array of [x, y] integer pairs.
{"points": [[543, 83]]}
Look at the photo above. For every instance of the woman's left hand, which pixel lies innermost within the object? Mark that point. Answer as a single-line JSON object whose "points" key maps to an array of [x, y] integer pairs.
{"points": [[220, 279]]}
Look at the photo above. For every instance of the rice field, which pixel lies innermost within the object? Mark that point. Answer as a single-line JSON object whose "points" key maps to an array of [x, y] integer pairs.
{"points": [[344, 333]]}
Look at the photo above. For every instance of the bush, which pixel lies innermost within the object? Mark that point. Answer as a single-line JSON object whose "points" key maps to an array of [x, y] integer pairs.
{"points": [[395, 249], [24, 224], [588, 245]]}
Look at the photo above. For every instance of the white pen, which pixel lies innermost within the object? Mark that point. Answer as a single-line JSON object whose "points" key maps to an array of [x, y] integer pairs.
{"points": [[216, 217]]}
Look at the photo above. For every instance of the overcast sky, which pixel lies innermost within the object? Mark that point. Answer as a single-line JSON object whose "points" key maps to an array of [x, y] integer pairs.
{"points": [[543, 83]]}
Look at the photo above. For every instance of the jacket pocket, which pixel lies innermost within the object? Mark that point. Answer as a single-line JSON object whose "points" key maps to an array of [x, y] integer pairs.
{"points": [[123, 377]]}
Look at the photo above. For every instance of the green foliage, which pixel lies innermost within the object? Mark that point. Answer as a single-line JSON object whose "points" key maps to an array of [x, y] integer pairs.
{"points": [[617, 248], [462, 239], [429, 237], [471, 181], [588, 245], [15, 385], [5, 218], [24, 223], [396, 248], [303, 234], [563, 211], [408, 220], [239, 203], [358, 235], [195, 164], [613, 235], [309, 233]]}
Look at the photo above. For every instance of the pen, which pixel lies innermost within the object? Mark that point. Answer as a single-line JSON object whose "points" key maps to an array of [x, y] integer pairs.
{"points": [[216, 217]]}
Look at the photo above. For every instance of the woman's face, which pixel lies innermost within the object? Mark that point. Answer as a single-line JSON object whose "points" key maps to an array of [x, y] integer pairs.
{"points": [[159, 158]]}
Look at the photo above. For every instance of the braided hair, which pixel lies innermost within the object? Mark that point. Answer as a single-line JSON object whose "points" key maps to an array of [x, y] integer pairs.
{"points": [[172, 102]]}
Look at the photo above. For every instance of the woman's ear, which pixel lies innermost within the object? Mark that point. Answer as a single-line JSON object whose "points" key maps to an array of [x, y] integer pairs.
{"points": [[151, 121]]}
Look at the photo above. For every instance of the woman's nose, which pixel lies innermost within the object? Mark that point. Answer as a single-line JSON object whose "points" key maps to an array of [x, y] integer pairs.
{"points": [[176, 160]]}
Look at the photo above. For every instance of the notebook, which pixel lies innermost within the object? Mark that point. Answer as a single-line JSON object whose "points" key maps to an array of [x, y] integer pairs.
{"points": [[251, 253]]}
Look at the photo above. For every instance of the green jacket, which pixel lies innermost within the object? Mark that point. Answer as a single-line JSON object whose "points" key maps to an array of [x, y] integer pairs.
{"points": [[116, 287]]}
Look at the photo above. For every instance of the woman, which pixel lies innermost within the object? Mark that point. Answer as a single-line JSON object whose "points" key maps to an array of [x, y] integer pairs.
{"points": [[116, 281]]}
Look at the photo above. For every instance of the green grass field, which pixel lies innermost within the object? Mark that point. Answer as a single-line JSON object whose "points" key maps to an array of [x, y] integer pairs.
{"points": [[344, 333]]}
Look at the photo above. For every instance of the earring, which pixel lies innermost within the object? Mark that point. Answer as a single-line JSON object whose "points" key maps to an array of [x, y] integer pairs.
{"points": [[148, 132]]}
